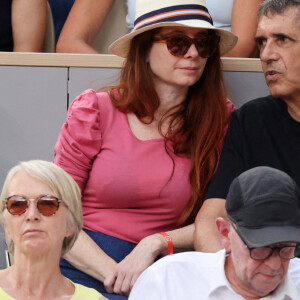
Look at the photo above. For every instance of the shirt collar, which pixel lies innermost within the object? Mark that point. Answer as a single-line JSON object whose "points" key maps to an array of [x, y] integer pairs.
{"points": [[220, 281]]}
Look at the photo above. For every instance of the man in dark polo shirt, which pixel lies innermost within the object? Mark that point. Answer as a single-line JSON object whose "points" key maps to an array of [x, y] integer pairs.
{"points": [[265, 131]]}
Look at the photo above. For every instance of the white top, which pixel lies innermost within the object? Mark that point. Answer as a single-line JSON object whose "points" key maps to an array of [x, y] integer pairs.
{"points": [[220, 13], [130, 13], [201, 276]]}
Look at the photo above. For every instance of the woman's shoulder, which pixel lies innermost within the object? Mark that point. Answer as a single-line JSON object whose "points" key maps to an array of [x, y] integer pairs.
{"points": [[3, 284], [91, 99], [91, 107], [83, 292], [3, 277]]}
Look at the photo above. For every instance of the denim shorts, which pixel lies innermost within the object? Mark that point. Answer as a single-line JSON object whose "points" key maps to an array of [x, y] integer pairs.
{"points": [[114, 247]]}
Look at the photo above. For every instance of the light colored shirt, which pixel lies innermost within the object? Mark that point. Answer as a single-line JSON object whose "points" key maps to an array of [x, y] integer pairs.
{"points": [[81, 292], [130, 13], [201, 276], [220, 12]]}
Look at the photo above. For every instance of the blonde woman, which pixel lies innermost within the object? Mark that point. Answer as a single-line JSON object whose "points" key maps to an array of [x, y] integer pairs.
{"points": [[41, 215]]}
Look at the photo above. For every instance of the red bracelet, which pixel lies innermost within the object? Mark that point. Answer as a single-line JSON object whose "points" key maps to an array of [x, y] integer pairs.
{"points": [[169, 241]]}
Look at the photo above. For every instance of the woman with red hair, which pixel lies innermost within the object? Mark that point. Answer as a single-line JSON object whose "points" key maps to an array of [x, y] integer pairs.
{"points": [[144, 152]]}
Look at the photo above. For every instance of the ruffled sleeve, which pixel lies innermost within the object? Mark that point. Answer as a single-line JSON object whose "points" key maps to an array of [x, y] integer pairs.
{"points": [[79, 140]]}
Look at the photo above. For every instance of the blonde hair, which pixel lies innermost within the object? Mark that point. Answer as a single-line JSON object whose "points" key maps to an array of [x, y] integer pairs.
{"points": [[64, 187]]}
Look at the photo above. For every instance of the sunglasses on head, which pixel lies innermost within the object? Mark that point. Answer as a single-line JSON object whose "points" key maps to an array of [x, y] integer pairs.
{"points": [[47, 205], [179, 44]]}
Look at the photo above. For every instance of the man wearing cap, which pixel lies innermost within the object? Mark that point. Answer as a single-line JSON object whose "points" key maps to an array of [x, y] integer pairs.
{"points": [[265, 131], [260, 237]]}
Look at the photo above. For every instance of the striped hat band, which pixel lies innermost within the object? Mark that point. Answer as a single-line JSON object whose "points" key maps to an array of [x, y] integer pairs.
{"points": [[151, 14], [173, 14]]}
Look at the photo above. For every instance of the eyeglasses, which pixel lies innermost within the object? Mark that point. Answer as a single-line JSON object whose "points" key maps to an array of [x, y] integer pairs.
{"points": [[47, 205], [285, 252], [179, 44], [261, 253]]}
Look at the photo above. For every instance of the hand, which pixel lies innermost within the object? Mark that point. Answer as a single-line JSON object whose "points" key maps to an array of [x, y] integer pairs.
{"points": [[124, 274]]}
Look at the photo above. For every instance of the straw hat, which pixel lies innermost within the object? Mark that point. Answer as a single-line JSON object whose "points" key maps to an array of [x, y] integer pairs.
{"points": [[161, 13]]}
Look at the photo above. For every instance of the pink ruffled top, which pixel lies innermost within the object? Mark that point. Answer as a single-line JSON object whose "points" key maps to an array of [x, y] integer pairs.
{"points": [[128, 188]]}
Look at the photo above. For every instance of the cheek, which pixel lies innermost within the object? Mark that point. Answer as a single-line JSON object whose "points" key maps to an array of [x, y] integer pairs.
{"points": [[159, 58], [239, 262], [70, 228], [293, 70], [7, 230], [245, 267], [285, 266], [8, 224], [202, 69], [66, 225], [156, 64]]}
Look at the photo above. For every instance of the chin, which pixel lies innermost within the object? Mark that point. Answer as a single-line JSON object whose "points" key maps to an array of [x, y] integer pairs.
{"points": [[35, 247], [266, 289], [188, 83], [278, 92]]}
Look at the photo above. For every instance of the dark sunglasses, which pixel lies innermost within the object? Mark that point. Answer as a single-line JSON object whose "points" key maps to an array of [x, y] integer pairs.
{"points": [[179, 44], [47, 205]]}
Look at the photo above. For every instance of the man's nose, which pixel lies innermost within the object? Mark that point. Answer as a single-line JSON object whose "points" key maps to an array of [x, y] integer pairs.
{"points": [[274, 261], [269, 52]]}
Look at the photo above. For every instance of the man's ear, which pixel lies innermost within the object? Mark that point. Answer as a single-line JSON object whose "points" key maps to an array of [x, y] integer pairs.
{"points": [[224, 227]]}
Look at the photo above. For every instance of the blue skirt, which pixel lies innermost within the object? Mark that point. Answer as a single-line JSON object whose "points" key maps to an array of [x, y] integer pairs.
{"points": [[115, 248]]}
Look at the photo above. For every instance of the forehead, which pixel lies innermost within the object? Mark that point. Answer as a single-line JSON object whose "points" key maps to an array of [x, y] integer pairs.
{"points": [[287, 22], [24, 184], [182, 29]]}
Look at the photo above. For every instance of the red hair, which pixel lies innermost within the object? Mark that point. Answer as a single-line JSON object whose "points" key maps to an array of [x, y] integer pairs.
{"points": [[200, 119]]}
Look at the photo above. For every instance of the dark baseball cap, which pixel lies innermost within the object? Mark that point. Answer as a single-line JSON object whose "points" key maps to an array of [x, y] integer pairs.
{"points": [[264, 204]]}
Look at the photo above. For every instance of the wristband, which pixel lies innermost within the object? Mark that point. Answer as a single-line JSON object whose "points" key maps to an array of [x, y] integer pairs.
{"points": [[169, 241]]}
